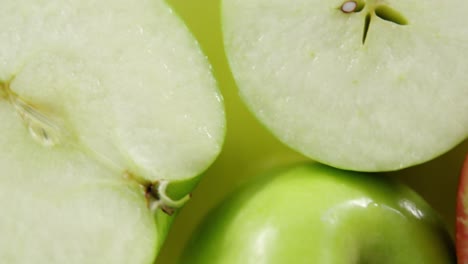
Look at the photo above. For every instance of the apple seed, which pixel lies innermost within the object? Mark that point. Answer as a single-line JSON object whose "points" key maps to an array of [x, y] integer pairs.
{"points": [[349, 6]]}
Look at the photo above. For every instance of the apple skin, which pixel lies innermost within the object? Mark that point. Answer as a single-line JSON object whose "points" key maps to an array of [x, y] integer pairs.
{"points": [[316, 214], [462, 215]]}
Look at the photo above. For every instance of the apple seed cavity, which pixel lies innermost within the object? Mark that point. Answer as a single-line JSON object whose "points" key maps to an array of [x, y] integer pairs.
{"points": [[367, 21], [389, 14], [382, 11]]}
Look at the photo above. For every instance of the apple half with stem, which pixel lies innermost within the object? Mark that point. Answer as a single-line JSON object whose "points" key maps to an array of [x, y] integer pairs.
{"points": [[366, 85], [109, 113], [317, 214], [462, 215]]}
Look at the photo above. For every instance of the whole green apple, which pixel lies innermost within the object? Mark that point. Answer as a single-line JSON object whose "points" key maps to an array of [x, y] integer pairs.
{"points": [[316, 214]]}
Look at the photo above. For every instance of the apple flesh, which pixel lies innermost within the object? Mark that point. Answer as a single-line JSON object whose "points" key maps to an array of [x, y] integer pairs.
{"points": [[316, 214], [109, 113], [361, 85], [462, 215]]}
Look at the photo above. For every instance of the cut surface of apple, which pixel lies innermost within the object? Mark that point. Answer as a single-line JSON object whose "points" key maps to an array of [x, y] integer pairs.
{"points": [[462, 216], [361, 85], [103, 105]]}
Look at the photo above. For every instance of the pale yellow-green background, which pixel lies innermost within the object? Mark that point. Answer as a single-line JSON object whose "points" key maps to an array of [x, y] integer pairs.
{"points": [[250, 149]]}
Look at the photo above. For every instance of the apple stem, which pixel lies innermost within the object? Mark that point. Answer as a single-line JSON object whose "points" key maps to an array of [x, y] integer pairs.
{"points": [[156, 195], [168, 201]]}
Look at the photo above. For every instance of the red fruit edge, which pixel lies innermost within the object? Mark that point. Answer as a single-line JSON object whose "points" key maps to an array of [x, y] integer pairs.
{"points": [[462, 215]]}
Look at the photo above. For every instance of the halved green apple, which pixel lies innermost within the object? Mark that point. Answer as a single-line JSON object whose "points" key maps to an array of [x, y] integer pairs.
{"points": [[366, 85], [108, 113]]}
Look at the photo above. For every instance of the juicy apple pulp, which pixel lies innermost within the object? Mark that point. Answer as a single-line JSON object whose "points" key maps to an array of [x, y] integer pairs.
{"points": [[316, 214], [462, 216], [363, 85], [109, 112]]}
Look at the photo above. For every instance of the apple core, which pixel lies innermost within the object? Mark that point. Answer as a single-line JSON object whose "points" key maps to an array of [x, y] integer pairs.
{"points": [[375, 8]]}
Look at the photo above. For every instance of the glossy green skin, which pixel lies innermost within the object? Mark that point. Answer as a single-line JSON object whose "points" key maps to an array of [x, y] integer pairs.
{"points": [[316, 214]]}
